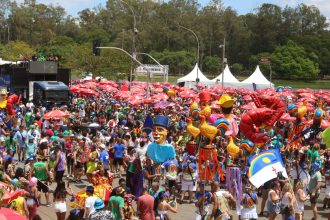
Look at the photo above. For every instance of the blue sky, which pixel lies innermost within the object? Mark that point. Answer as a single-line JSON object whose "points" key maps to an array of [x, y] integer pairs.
{"points": [[241, 6]]}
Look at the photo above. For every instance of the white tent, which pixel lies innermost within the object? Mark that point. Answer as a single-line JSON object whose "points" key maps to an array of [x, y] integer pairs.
{"points": [[4, 62], [228, 78], [257, 78], [190, 79]]}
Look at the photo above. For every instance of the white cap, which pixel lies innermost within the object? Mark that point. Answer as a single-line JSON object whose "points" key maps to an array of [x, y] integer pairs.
{"points": [[102, 146]]}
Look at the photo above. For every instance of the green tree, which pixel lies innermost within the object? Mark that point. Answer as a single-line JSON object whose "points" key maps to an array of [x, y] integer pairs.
{"points": [[14, 49], [237, 68], [292, 62], [212, 65]]}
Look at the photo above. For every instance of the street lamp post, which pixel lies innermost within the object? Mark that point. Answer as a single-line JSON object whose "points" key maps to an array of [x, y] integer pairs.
{"points": [[135, 31], [134, 59], [223, 46], [163, 67], [197, 79]]}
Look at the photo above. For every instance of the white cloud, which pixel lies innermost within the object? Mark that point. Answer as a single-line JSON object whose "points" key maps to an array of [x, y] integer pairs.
{"points": [[323, 5]]}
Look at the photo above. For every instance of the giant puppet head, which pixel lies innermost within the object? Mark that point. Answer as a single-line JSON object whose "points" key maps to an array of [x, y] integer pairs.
{"points": [[204, 100], [159, 130], [3, 97]]}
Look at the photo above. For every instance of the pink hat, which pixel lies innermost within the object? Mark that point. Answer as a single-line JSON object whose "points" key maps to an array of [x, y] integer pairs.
{"points": [[33, 181]]}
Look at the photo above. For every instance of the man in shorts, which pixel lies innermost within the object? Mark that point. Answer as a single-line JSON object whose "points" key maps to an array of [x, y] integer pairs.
{"points": [[314, 187], [119, 149], [41, 172]]}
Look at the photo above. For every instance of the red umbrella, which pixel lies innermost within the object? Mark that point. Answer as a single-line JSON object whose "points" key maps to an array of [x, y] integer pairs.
{"points": [[108, 88], [147, 100], [307, 95], [6, 214], [56, 114], [324, 123], [84, 91], [287, 117], [247, 98], [108, 82], [306, 99], [158, 90], [249, 106]]}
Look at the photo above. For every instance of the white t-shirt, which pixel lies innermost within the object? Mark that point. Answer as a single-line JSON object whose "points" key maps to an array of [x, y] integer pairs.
{"points": [[89, 203]]}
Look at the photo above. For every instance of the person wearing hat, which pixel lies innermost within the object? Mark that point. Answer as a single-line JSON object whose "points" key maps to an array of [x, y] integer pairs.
{"points": [[249, 203], [33, 131], [202, 202], [116, 204], [104, 157], [90, 201], [227, 103], [100, 213], [160, 151], [189, 176], [21, 136], [31, 147]]}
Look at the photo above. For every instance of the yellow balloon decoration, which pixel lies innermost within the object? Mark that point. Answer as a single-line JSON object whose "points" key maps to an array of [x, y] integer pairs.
{"points": [[191, 129], [302, 110], [232, 149], [170, 93], [206, 111]]}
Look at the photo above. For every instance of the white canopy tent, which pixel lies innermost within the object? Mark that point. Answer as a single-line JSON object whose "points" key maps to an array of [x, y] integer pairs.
{"points": [[228, 78], [5, 62], [190, 79], [257, 78]]}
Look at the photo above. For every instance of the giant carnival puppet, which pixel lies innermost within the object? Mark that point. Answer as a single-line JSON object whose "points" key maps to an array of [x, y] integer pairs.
{"points": [[269, 110], [8, 102], [199, 128], [159, 151], [298, 125]]}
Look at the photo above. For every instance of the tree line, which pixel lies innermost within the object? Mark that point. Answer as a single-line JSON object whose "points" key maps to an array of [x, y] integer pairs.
{"points": [[296, 38]]}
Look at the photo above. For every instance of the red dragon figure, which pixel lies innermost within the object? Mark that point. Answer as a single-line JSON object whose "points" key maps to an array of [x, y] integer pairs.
{"points": [[270, 109]]}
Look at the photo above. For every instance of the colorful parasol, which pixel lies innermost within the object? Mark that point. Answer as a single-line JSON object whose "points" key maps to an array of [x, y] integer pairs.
{"points": [[56, 114]]}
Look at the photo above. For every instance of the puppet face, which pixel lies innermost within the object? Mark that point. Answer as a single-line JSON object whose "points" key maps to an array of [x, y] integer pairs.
{"points": [[159, 133]]}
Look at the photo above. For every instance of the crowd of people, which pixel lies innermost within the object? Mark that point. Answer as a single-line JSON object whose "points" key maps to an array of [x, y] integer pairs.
{"points": [[105, 142]]}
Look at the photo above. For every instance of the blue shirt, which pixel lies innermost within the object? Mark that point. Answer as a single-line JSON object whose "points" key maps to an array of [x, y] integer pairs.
{"points": [[30, 148], [160, 153], [21, 138], [119, 150], [104, 157]]}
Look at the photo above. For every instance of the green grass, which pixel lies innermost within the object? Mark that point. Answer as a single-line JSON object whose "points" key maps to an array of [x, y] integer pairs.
{"points": [[318, 84]]}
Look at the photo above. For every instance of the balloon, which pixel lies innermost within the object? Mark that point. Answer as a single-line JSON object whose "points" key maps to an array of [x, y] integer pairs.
{"points": [[206, 111], [232, 149], [212, 119], [326, 137], [170, 93]]}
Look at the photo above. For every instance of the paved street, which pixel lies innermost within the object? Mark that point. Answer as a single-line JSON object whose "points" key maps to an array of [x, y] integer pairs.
{"points": [[186, 211]]}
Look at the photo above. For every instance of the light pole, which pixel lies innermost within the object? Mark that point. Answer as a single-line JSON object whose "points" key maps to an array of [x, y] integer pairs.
{"points": [[163, 67], [135, 31], [134, 59], [187, 29], [223, 46]]}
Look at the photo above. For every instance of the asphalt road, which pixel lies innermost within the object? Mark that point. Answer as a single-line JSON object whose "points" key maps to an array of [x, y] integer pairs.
{"points": [[185, 211]]}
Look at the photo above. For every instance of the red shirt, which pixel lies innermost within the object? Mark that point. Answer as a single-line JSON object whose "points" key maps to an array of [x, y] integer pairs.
{"points": [[145, 205]]}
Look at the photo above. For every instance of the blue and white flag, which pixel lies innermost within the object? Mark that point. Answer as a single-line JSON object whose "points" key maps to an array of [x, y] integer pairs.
{"points": [[265, 166]]}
